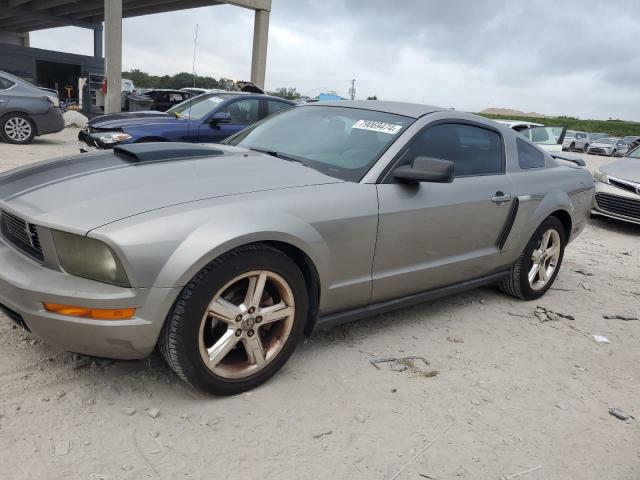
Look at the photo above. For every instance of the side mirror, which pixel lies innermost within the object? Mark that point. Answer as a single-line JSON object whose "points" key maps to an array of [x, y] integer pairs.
{"points": [[220, 117], [426, 169]]}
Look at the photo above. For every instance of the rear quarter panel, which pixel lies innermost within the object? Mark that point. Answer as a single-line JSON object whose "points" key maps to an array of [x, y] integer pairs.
{"points": [[544, 191]]}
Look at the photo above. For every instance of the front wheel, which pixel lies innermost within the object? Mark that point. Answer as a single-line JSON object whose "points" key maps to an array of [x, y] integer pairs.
{"points": [[17, 128], [586, 147], [537, 268], [614, 153], [237, 322], [572, 147]]}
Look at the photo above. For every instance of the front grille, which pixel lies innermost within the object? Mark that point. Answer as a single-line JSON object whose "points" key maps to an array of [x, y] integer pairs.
{"points": [[22, 235], [597, 150], [14, 317], [627, 207], [634, 188]]}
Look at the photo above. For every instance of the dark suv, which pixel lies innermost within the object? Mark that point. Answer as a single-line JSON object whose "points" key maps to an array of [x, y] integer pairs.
{"points": [[27, 111]]}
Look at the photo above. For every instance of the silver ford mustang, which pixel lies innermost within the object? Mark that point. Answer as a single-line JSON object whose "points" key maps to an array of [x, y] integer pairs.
{"points": [[225, 255]]}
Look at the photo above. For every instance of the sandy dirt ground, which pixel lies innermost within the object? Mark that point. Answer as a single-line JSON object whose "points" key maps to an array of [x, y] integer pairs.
{"points": [[504, 392]]}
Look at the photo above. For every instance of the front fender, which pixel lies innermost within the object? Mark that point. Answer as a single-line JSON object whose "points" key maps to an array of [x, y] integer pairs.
{"points": [[215, 238]]}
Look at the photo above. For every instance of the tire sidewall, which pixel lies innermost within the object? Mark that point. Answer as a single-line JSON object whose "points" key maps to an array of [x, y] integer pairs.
{"points": [[192, 311], [9, 116], [530, 293]]}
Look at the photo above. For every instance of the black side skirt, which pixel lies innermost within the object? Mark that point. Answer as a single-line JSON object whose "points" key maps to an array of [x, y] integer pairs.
{"points": [[334, 319]]}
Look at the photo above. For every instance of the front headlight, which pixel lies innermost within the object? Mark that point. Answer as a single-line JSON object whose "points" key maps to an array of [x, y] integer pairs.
{"points": [[600, 176], [89, 258], [114, 137], [55, 101]]}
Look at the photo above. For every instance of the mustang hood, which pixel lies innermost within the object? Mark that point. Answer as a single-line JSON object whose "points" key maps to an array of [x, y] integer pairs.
{"points": [[625, 169], [129, 119], [80, 193]]}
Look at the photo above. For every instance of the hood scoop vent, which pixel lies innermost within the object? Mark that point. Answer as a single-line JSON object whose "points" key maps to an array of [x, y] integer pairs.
{"points": [[158, 151]]}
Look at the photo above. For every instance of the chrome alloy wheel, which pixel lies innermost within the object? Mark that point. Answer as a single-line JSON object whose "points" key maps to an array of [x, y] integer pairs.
{"points": [[17, 129], [246, 324], [544, 259]]}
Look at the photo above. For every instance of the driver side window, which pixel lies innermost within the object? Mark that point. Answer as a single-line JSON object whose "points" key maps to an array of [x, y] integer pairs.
{"points": [[474, 150], [243, 112]]}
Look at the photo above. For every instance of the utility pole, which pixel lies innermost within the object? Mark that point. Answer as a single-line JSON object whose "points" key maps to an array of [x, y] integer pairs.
{"points": [[352, 90]]}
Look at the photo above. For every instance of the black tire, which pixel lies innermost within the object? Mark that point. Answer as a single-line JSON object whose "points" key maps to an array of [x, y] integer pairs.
{"points": [[613, 154], [5, 126], [517, 283], [572, 147], [585, 148], [179, 339]]}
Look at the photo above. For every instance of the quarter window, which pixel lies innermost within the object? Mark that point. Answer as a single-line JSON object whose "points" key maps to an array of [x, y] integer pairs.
{"points": [[474, 150], [529, 156], [243, 112], [274, 106], [4, 83]]}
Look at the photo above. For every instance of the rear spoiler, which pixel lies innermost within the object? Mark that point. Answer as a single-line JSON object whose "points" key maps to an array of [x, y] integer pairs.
{"points": [[567, 157]]}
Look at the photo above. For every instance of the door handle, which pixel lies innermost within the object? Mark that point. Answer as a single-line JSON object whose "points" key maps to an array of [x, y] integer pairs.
{"points": [[501, 197]]}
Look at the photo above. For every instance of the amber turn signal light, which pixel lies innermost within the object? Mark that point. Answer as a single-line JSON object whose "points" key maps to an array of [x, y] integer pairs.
{"points": [[95, 313]]}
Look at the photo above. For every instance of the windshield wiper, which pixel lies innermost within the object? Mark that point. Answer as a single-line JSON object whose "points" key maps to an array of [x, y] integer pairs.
{"points": [[278, 155]]}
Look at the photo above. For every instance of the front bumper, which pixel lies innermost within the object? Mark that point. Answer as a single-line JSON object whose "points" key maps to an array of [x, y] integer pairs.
{"points": [[614, 202], [25, 285], [91, 141], [50, 122]]}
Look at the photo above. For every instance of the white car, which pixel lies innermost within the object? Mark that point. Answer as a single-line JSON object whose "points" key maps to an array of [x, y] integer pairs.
{"points": [[612, 147], [576, 141], [547, 138]]}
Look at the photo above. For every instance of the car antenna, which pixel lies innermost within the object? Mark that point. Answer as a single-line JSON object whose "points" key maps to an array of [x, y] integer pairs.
{"points": [[193, 73]]}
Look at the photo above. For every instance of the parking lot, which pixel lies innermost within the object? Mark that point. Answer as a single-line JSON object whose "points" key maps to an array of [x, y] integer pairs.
{"points": [[504, 392]]}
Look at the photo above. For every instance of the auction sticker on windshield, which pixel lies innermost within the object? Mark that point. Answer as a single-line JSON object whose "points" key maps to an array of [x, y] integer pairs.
{"points": [[382, 127]]}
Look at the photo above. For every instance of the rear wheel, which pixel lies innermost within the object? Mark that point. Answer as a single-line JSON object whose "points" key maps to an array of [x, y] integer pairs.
{"points": [[17, 128], [586, 147], [614, 153], [237, 322], [537, 268]]}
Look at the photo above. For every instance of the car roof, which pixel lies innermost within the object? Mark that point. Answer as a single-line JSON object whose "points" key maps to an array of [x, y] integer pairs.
{"points": [[414, 110]]}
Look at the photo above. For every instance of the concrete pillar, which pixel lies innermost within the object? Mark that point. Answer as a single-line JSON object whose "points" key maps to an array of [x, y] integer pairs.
{"points": [[97, 42], [259, 55], [113, 54]]}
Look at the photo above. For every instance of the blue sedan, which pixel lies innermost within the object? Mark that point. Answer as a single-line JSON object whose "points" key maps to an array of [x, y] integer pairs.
{"points": [[208, 118]]}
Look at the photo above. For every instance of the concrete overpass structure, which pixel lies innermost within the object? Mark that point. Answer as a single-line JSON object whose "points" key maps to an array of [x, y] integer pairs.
{"points": [[19, 17]]}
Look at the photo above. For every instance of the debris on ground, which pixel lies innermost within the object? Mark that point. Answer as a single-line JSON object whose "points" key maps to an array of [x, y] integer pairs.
{"points": [[455, 339], [586, 285], [323, 434], [78, 361], [626, 318], [545, 315], [154, 412], [600, 339], [129, 411], [616, 412], [584, 272], [522, 473], [376, 361]]}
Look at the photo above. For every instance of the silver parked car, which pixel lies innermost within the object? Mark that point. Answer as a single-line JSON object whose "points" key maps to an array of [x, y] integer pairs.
{"points": [[612, 147], [225, 255], [26, 110], [618, 189]]}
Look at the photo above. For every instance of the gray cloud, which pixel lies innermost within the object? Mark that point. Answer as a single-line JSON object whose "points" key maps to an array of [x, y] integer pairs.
{"points": [[557, 57]]}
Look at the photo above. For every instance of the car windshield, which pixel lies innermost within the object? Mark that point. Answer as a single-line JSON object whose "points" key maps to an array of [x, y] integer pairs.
{"points": [[337, 141], [543, 135], [570, 133], [197, 108], [607, 141]]}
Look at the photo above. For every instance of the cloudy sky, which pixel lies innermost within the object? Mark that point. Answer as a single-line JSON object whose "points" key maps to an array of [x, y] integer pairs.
{"points": [[555, 57]]}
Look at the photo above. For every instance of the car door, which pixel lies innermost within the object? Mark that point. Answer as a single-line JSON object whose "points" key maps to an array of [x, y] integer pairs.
{"points": [[242, 112], [432, 235]]}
